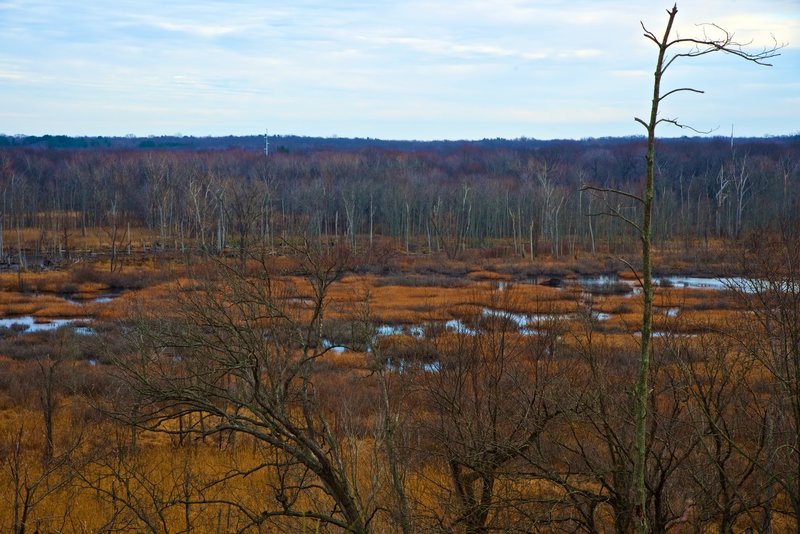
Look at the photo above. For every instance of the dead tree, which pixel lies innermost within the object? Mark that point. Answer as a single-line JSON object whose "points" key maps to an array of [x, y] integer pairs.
{"points": [[244, 351], [671, 48]]}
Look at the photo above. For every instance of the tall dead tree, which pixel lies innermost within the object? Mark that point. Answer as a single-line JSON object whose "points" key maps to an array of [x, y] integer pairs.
{"points": [[671, 48]]}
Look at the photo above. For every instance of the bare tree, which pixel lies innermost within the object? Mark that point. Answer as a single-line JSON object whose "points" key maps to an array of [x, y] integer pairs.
{"points": [[488, 399], [392, 412], [671, 48], [729, 417], [146, 492], [33, 482], [770, 334], [551, 200], [243, 355], [450, 220]]}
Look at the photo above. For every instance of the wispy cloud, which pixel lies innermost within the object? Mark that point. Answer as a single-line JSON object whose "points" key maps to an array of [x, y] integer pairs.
{"points": [[451, 48], [197, 30], [524, 67]]}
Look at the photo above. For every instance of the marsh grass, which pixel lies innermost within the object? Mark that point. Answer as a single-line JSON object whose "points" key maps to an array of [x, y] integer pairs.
{"points": [[425, 295]]}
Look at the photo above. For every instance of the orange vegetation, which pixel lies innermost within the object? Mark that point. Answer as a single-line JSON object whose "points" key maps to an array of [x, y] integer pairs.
{"points": [[162, 471]]}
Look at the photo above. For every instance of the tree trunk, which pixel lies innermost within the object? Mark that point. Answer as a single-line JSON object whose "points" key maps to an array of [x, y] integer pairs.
{"points": [[642, 391]]}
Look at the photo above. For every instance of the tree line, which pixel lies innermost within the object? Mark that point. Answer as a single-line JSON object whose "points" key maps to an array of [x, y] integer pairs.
{"points": [[524, 201]]}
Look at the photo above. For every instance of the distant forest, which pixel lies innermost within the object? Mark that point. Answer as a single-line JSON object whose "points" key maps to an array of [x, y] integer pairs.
{"points": [[521, 197]]}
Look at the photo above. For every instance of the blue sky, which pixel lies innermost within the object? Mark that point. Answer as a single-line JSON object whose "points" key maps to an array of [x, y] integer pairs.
{"points": [[415, 69]]}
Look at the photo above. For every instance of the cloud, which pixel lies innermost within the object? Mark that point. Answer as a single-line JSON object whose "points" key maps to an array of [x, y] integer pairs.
{"points": [[197, 30], [581, 54], [450, 48], [378, 65]]}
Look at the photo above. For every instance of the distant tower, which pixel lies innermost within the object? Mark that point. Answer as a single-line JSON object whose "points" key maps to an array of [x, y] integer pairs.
{"points": [[266, 143]]}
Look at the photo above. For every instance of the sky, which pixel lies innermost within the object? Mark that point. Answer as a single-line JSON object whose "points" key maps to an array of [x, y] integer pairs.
{"points": [[413, 69]]}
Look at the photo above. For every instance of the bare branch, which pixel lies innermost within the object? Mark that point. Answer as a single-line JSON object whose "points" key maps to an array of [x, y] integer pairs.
{"points": [[678, 90], [633, 270], [615, 212], [668, 62], [611, 190], [675, 122], [648, 33], [726, 44]]}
